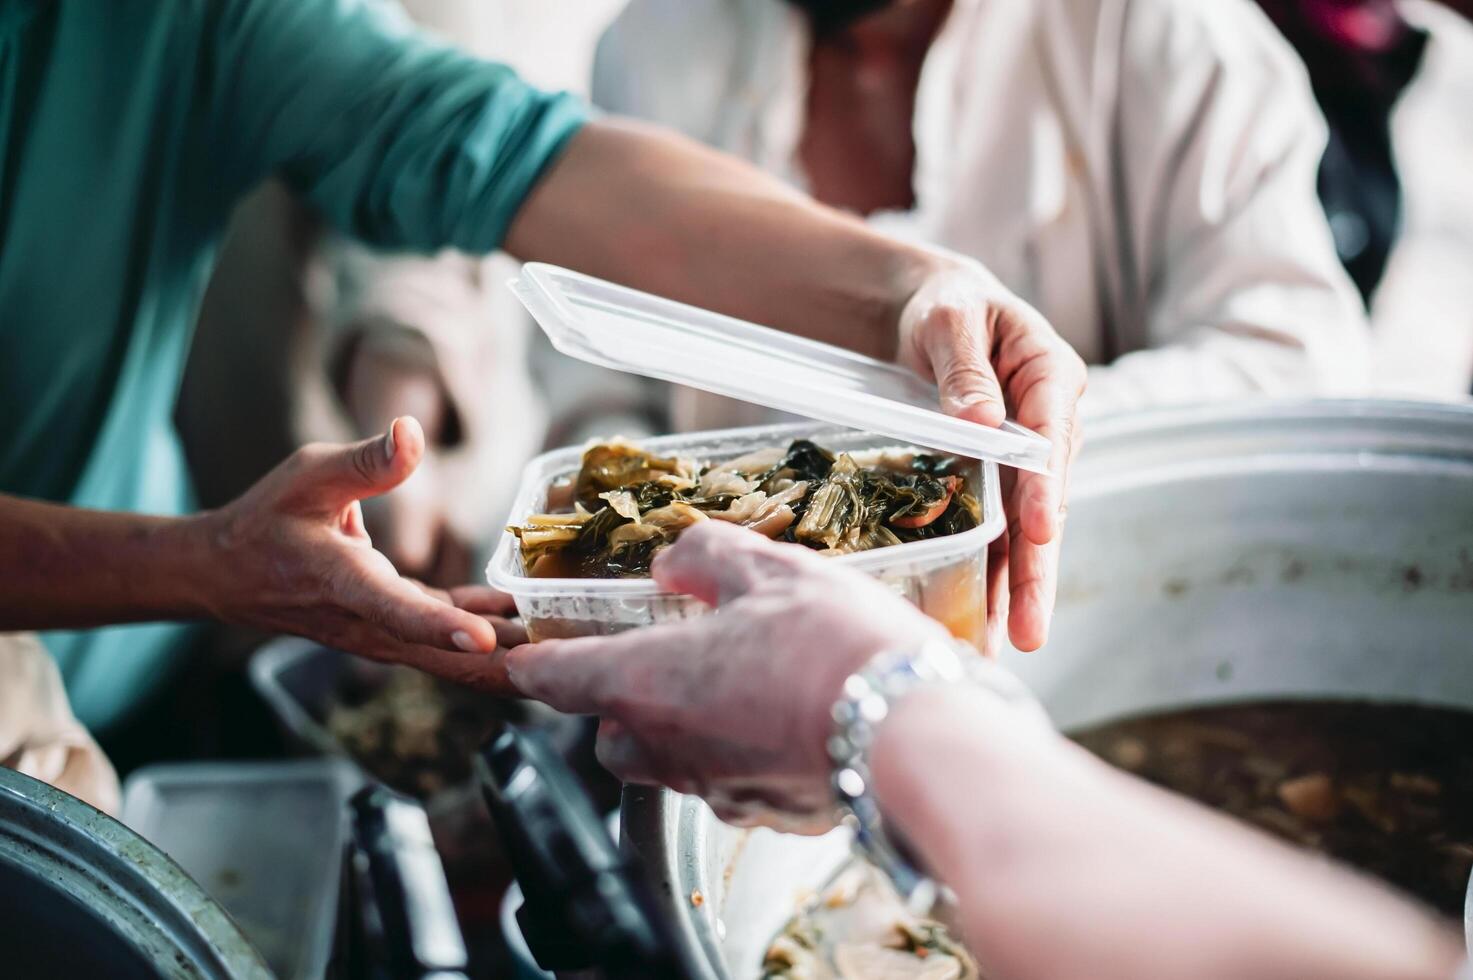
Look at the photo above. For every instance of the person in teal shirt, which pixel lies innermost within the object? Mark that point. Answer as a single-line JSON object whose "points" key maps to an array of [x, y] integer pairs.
{"points": [[129, 129]]}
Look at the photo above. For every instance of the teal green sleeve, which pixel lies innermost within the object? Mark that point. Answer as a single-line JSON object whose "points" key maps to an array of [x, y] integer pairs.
{"points": [[401, 141]]}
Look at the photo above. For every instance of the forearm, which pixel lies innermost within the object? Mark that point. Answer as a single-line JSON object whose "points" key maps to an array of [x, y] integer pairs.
{"points": [[1064, 867], [64, 567], [661, 213]]}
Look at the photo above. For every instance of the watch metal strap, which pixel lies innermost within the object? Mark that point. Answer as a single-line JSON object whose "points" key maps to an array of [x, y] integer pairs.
{"points": [[865, 702]]}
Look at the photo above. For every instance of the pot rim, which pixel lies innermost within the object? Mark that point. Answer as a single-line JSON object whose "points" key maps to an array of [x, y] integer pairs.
{"points": [[143, 896]]}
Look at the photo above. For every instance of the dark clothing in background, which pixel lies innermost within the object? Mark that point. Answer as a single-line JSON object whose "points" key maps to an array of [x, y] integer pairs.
{"points": [[1361, 57]]}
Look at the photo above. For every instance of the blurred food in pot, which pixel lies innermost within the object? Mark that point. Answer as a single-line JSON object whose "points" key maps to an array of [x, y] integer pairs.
{"points": [[858, 929], [1386, 788]]}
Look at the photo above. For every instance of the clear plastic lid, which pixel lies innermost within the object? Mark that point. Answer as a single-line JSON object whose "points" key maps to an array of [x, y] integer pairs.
{"points": [[627, 330]]}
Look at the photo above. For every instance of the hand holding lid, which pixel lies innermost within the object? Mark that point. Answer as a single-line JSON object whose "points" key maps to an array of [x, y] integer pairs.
{"points": [[989, 353]]}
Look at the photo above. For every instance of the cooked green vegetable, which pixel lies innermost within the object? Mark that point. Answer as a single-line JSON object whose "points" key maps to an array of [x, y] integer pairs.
{"points": [[612, 466], [628, 505]]}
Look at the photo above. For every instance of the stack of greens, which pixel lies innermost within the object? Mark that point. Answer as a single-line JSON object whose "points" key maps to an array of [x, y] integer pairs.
{"points": [[625, 505]]}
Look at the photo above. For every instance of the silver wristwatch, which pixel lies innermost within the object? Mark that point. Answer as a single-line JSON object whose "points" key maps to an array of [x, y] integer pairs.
{"points": [[867, 698]]}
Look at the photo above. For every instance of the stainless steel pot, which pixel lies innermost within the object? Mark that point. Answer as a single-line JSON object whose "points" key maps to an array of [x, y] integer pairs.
{"points": [[83, 896], [1315, 549]]}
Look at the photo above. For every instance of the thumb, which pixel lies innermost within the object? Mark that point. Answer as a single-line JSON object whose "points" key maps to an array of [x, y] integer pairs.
{"points": [[331, 477]]}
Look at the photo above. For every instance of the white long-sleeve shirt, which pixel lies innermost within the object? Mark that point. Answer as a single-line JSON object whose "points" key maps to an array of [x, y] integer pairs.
{"points": [[1422, 310], [1142, 171]]}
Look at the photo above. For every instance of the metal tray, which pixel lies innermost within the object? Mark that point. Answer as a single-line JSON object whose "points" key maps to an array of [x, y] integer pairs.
{"points": [[265, 840], [297, 679]]}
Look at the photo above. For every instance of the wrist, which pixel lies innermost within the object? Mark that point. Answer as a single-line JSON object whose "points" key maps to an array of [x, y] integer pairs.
{"points": [[863, 711], [823, 690], [937, 731], [934, 276], [916, 268], [199, 556]]}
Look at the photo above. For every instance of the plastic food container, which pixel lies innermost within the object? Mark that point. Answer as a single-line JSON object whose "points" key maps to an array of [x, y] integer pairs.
{"points": [[859, 404], [945, 577]]}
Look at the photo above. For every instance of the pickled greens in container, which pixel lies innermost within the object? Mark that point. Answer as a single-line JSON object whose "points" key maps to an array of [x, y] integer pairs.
{"points": [[627, 504], [588, 522]]}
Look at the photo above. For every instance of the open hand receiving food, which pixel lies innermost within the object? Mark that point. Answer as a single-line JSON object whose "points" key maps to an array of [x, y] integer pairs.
{"points": [[991, 354], [294, 557]]}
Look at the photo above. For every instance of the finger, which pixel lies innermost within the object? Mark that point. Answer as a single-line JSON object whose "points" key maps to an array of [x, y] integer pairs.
{"points": [[326, 478], [405, 610], [508, 633], [1042, 498], [662, 761], [485, 602], [1033, 584], [616, 749], [1036, 512], [997, 595], [587, 675], [486, 674], [483, 599], [1044, 380], [434, 592], [619, 753], [956, 341], [369, 640], [716, 562]]}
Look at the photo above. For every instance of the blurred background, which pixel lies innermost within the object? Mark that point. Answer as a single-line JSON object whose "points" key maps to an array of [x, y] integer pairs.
{"points": [[1298, 221]]}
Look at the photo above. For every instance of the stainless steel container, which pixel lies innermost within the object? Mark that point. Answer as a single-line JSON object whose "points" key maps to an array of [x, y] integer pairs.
{"points": [[83, 896], [265, 839], [1315, 549]]}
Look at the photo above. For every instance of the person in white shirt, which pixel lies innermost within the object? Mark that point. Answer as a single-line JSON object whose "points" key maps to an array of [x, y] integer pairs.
{"points": [[1141, 171]]}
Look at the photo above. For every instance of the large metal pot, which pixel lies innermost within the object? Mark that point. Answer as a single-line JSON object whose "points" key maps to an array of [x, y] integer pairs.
{"points": [[83, 896], [1317, 549]]}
